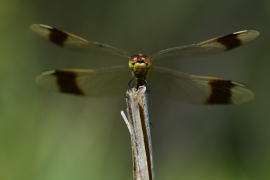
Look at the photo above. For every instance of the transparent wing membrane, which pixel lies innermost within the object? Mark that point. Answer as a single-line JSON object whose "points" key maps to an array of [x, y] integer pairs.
{"points": [[70, 41], [101, 82], [198, 89], [212, 46]]}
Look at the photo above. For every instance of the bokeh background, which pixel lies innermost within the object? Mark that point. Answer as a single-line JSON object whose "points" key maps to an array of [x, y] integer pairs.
{"points": [[51, 136]]}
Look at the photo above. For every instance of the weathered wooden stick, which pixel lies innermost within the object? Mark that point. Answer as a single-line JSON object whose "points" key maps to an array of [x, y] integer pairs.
{"points": [[138, 124]]}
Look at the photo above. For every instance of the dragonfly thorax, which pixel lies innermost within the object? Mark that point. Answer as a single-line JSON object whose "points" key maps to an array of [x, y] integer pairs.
{"points": [[140, 65]]}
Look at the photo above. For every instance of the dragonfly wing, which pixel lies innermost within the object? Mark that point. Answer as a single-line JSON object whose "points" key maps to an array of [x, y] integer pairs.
{"points": [[73, 42], [101, 82], [212, 46], [198, 89]]}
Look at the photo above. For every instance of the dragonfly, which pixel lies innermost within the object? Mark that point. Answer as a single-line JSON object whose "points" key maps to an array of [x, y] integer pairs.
{"points": [[140, 71]]}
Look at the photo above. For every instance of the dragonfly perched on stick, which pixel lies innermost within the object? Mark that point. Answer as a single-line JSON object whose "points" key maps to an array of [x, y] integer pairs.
{"points": [[173, 84]]}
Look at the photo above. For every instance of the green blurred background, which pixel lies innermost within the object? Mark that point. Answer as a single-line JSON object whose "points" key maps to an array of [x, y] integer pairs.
{"points": [[49, 136]]}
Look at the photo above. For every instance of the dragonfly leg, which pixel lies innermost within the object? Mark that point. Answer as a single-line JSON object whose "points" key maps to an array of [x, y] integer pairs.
{"points": [[136, 83], [147, 85], [131, 82]]}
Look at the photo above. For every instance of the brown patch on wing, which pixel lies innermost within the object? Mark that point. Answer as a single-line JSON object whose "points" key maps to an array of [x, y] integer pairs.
{"points": [[66, 81], [220, 91], [230, 41], [58, 37]]}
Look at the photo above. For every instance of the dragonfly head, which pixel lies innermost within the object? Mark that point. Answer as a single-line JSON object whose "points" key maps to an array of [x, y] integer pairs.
{"points": [[140, 65], [139, 62]]}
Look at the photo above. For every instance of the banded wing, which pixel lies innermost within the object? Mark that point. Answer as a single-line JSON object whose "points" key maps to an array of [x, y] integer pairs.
{"points": [[101, 82], [73, 42], [198, 89], [212, 46]]}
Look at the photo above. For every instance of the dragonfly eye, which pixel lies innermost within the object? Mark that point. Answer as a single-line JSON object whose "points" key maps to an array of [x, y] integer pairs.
{"points": [[145, 59], [139, 58], [133, 59]]}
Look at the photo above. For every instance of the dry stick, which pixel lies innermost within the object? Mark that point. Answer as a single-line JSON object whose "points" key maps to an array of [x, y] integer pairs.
{"points": [[139, 127]]}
